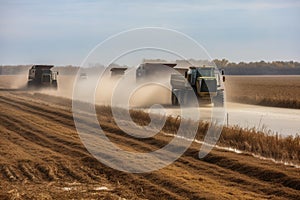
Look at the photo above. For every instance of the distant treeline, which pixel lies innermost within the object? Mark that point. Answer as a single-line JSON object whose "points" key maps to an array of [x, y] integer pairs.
{"points": [[23, 69], [243, 68], [231, 68], [13, 69], [259, 68]]}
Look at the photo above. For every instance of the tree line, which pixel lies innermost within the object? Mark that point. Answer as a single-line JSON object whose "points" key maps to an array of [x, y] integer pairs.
{"points": [[231, 68], [259, 68]]}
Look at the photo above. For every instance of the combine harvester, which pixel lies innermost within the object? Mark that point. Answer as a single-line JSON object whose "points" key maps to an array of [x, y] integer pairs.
{"points": [[41, 76], [204, 82]]}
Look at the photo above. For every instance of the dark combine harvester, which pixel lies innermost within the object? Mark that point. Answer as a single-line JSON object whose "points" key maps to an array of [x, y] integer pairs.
{"points": [[41, 76]]}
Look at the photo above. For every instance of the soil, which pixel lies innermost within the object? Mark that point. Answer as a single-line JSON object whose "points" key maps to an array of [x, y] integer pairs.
{"points": [[42, 157]]}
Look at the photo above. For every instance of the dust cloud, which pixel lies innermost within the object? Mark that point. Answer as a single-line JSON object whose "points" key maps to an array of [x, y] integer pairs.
{"points": [[13, 82], [117, 90], [107, 89]]}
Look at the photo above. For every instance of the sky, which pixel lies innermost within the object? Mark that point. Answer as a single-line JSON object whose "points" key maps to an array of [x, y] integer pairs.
{"points": [[64, 32]]}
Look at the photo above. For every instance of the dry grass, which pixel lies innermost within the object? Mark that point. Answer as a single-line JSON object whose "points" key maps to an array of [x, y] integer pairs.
{"points": [[263, 143], [278, 91], [262, 90]]}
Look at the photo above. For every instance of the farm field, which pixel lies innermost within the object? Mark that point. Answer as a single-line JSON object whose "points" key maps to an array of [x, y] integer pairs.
{"points": [[42, 157], [149, 100], [278, 91]]}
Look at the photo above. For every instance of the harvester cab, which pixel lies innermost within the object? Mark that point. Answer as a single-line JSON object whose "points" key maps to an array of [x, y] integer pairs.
{"points": [[204, 81], [42, 76]]}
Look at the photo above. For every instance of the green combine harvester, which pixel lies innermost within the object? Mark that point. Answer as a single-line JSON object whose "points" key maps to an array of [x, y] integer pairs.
{"points": [[204, 82]]}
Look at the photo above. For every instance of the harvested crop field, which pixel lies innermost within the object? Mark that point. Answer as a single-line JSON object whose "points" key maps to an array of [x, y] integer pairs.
{"points": [[279, 91], [42, 157]]}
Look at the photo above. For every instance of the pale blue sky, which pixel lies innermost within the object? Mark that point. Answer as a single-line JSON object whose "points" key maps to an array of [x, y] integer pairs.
{"points": [[63, 32]]}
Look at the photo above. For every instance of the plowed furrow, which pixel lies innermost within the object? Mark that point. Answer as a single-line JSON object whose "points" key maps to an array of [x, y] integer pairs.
{"points": [[109, 129], [27, 171], [8, 173], [34, 134], [53, 129]]}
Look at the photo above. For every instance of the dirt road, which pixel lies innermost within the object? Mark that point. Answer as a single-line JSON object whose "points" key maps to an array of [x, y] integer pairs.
{"points": [[42, 157], [284, 121]]}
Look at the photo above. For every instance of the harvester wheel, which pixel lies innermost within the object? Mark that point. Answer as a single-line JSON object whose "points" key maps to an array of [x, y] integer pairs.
{"points": [[174, 99], [54, 85], [219, 99], [190, 98], [181, 97], [30, 84]]}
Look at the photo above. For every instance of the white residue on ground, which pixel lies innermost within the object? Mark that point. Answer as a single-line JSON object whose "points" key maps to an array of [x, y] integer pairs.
{"points": [[230, 149]]}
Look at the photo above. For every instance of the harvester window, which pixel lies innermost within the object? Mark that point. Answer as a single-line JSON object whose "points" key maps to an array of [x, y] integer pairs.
{"points": [[205, 72]]}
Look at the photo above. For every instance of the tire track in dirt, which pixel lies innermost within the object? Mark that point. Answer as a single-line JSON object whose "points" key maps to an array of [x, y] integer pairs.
{"points": [[155, 178], [61, 151], [30, 132], [35, 133], [151, 142], [65, 168]]}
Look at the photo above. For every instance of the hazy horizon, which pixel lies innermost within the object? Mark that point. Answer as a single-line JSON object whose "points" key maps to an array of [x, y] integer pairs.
{"points": [[63, 32]]}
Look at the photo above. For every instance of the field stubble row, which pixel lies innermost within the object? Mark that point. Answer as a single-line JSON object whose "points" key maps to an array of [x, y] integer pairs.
{"points": [[276, 91]]}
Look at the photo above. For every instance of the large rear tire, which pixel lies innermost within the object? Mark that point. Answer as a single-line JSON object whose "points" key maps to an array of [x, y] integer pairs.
{"points": [[181, 97], [191, 98], [174, 99], [30, 84], [184, 97], [54, 85], [219, 99]]}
